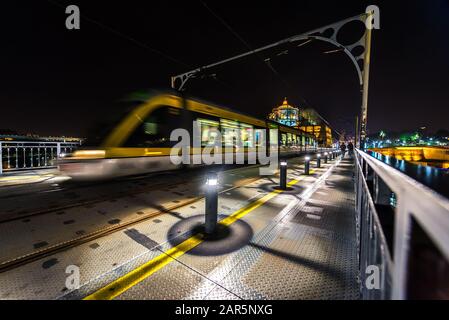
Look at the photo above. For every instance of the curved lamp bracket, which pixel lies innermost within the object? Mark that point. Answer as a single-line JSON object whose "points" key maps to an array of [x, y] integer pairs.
{"points": [[327, 33]]}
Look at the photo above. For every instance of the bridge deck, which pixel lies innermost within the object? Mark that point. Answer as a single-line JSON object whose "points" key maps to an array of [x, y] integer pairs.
{"points": [[295, 244], [306, 250]]}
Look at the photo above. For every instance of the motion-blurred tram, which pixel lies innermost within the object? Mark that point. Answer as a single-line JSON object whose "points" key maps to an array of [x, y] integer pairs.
{"points": [[140, 141]]}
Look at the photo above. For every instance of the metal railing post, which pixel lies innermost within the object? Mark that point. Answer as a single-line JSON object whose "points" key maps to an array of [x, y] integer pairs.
{"points": [[58, 149], [401, 248], [381, 191]]}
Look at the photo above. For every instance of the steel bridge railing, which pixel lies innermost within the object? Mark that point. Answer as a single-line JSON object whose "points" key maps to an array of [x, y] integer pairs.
{"points": [[400, 222], [25, 155]]}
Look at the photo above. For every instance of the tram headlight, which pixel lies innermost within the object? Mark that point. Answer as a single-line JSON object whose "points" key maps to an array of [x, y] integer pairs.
{"points": [[89, 154]]}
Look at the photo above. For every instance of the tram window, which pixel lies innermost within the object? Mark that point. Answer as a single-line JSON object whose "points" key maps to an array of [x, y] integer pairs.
{"points": [[283, 139], [209, 132], [289, 139], [273, 138], [229, 130], [155, 130], [150, 128], [296, 140], [247, 135], [260, 137]]}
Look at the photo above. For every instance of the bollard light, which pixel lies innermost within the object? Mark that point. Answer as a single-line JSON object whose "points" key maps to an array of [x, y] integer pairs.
{"points": [[283, 175], [318, 160], [325, 157], [307, 165], [212, 181], [211, 202]]}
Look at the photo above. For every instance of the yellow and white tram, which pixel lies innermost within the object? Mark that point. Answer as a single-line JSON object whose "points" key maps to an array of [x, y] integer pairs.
{"points": [[140, 141]]}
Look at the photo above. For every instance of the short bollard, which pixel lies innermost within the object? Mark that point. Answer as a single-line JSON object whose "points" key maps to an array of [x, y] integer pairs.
{"points": [[325, 157], [211, 202], [318, 160], [307, 165], [283, 175]]}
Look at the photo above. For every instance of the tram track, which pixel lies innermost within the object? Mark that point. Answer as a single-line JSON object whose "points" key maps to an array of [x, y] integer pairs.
{"points": [[105, 231], [20, 216], [97, 234]]}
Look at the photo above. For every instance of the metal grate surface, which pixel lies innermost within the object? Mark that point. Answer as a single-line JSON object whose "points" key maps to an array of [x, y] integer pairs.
{"points": [[306, 252]]}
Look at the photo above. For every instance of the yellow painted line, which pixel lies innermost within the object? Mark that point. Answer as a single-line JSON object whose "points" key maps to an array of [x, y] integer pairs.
{"points": [[139, 274], [252, 206]]}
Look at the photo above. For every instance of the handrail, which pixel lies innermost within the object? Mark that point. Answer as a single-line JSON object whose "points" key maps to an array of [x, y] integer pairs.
{"points": [[24, 155], [415, 200]]}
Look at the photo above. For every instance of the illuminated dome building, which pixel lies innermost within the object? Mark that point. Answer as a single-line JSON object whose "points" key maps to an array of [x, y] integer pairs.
{"points": [[306, 120], [285, 114]]}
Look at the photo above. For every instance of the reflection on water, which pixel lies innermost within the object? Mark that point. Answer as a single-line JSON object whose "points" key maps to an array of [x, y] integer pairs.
{"points": [[435, 178]]}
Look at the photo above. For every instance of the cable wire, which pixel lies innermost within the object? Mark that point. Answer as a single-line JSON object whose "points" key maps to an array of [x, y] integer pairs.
{"points": [[129, 38]]}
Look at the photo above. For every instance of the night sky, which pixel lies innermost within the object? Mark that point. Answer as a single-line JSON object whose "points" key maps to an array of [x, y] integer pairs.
{"points": [[56, 81]]}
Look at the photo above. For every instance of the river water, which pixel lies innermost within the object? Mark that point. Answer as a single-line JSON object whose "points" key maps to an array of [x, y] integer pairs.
{"points": [[435, 178]]}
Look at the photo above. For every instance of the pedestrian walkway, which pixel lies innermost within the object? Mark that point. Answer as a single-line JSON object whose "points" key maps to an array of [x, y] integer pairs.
{"points": [[296, 244]]}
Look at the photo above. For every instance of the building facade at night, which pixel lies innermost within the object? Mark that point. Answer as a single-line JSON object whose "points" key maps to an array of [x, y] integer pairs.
{"points": [[307, 120]]}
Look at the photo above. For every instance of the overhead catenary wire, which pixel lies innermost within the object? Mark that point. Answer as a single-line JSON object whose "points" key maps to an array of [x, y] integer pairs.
{"points": [[138, 42], [118, 33]]}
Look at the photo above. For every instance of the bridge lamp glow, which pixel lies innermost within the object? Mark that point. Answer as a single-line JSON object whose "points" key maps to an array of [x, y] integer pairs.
{"points": [[283, 163], [212, 180], [307, 158], [318, 155]]}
